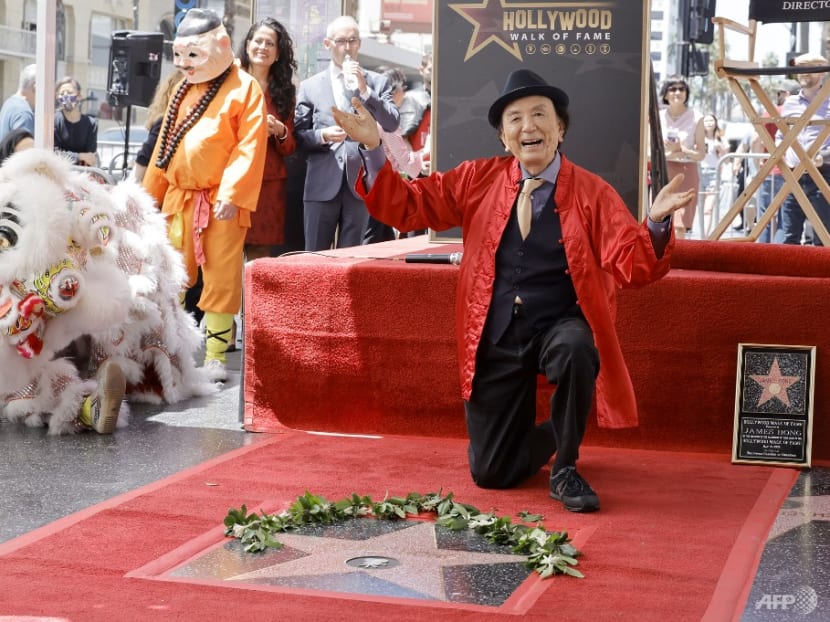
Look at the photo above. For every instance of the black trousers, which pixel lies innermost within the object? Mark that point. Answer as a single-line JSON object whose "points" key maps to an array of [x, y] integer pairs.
{"points": [[506, 445]]}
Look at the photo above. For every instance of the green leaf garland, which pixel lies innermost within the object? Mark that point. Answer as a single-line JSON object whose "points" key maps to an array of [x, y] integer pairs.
{"points": [[548, 552]]}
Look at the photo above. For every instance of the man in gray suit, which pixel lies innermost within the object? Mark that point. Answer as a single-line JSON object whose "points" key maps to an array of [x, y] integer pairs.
{"points": [[333, 162]]}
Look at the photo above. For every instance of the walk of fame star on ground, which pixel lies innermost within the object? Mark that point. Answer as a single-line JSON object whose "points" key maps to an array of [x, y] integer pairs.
{"points": [[421, 561]]}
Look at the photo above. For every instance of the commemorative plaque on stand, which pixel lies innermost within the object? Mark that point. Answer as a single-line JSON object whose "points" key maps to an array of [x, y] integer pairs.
{"points": [[774, 405]]}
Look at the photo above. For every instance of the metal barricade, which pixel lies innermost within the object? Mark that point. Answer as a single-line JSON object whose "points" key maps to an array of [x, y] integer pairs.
{"points": [[725, 193], [98, 174], [114, 159]]}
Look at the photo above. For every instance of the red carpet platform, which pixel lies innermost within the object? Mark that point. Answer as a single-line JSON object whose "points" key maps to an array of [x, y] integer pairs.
{"points": [[359, 341]]}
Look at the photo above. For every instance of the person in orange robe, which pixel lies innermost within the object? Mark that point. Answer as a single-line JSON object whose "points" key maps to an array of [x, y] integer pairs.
{"points": [[206, 170]]}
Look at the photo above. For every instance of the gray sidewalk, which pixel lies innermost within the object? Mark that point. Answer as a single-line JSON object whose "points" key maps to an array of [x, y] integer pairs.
{"points": [[44, 478]]}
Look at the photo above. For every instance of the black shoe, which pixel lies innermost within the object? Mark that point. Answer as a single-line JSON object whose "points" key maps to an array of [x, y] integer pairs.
{"points": [[574, 492]]}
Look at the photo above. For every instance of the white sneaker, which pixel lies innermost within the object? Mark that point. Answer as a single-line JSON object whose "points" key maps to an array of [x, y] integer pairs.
{"points": [[215, 370], [106, 403]]}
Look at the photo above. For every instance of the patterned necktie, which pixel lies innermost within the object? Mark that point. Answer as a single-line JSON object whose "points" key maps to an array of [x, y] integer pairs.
{"points": [[524, 207]]}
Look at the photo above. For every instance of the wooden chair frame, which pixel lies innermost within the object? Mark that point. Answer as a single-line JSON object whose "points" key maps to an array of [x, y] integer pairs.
{"points": [[743, 76]]}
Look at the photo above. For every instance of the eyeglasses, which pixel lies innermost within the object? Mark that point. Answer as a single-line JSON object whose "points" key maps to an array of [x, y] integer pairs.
{"points": [[676, 89], [350, 41]]}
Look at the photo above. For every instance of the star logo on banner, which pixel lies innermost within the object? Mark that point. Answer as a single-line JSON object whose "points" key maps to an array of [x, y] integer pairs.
{"points": [[486, 18], [774, 384], [409, 558]]}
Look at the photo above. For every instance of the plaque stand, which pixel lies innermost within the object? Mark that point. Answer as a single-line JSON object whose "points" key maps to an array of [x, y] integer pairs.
{"points": [[774, 405]]}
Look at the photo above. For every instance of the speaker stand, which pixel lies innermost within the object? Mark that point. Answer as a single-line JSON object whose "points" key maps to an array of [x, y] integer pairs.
{"points": [[126, 142]]}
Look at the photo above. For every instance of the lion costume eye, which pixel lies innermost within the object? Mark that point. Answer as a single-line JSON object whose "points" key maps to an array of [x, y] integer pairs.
{"points": [[9, 226]]}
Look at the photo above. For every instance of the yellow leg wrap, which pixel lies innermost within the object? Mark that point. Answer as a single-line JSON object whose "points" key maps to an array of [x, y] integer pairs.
{"points": [[85, 415], [218, 331]]}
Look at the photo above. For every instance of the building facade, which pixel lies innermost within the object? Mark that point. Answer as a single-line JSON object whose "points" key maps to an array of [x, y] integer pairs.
{"points": [[83, 31]]}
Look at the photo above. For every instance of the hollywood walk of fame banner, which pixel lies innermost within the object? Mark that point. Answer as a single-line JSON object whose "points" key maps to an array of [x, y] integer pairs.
{"points": [[596, 51], [774, 405]]}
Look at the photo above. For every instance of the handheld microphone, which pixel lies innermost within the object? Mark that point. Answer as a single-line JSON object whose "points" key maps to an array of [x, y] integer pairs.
{"points": [[440, 258]]}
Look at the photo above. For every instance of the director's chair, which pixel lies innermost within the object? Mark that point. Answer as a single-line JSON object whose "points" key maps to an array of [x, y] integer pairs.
{"points": [[743, 76]]}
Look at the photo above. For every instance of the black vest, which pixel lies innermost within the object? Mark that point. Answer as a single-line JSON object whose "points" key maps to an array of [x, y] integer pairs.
{"points": [[534, 269]]}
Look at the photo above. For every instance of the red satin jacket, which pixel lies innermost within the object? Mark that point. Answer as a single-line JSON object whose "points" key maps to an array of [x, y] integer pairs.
{"points": [[605, 246]]}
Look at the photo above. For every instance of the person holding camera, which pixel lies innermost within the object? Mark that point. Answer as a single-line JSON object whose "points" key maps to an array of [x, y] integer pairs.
{"points": [[685, 143]]}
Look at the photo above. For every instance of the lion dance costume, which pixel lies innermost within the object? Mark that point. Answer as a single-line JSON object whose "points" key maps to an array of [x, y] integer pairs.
{"points": [[79, 259]]}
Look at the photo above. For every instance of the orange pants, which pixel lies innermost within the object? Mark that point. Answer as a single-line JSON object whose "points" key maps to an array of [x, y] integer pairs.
{"points": [[222, 242]]}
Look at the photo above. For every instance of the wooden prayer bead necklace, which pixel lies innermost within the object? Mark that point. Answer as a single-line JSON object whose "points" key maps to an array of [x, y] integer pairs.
{"points": [[169, 143]]}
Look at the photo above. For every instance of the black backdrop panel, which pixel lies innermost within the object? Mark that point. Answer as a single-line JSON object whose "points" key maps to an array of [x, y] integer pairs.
{"points": [[597, 52]]}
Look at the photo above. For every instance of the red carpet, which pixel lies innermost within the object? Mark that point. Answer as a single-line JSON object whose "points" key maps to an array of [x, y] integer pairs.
{"points": [[678, 534]]}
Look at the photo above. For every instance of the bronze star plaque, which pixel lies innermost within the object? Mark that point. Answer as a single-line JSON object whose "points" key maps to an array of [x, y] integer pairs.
{"points": [[774, 405]]}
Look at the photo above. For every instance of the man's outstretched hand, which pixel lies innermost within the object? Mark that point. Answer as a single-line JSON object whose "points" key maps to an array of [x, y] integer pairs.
{"points": [[669, 200], [360, 125]]}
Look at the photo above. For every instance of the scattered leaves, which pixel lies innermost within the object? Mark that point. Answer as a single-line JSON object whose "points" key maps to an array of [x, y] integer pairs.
{"points": [[548, 552], [529, 517]]}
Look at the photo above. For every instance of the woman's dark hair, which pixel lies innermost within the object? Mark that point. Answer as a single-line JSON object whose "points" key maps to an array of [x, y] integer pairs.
{"points": [[718, 130], [11, 140], [281, 85], [396, 77], [674, 81]]}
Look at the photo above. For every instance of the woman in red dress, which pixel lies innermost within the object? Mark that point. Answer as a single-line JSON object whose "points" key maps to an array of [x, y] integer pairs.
{"points": [[268, 55]]}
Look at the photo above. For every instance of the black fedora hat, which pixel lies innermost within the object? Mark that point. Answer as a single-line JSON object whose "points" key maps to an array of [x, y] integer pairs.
{"points": [[522, 83]]}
